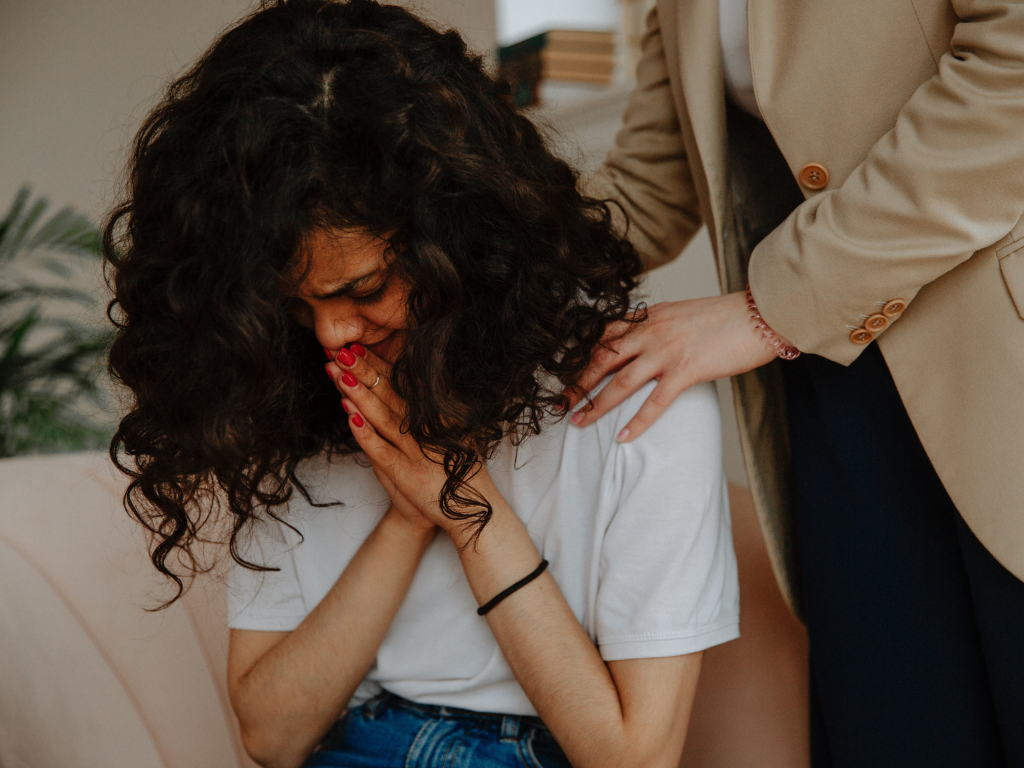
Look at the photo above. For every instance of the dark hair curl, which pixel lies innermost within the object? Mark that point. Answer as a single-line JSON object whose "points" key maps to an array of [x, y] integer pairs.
{"points": [[312, 114]]}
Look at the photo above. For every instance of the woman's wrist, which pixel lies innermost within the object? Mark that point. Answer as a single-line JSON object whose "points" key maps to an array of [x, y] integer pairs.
{"points": [[400, 524], [500, 555], [779, 345], [465, 535]]}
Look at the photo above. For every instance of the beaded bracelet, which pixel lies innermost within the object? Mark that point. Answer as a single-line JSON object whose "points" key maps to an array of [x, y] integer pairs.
{"points": [[781, 348]]}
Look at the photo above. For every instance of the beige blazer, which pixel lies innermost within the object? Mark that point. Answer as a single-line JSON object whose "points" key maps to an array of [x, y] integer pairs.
{"points": [[914, 109]]}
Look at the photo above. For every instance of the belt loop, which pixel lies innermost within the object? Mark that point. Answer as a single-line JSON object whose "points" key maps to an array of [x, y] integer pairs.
{"points": [[510, 728], [376, 704]]}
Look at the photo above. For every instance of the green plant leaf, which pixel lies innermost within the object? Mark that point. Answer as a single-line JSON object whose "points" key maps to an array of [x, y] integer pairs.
{"points": [[49, 365], [15, 337], [38, 422], [66, 231], [17, 231]]}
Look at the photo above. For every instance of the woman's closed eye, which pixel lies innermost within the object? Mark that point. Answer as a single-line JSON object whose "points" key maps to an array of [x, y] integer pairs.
{"points": [[372, 296], [304, 315]]}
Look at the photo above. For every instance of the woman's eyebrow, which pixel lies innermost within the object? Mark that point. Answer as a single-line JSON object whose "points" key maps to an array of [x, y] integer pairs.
{"points": [[348, 287]]}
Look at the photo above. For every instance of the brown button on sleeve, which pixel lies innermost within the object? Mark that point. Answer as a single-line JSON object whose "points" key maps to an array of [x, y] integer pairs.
{"points": [[814, 176], [861, 336], [893, 308], [876, 323]]}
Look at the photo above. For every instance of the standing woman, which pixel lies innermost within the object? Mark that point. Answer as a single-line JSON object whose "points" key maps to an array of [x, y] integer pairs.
{"points": [[862, 165]]}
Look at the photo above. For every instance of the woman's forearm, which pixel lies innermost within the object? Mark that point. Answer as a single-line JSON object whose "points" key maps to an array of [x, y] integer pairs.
{"points": [[289, 697], [598, 716]]}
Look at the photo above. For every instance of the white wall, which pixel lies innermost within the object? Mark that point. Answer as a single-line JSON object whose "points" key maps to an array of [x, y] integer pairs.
{"points": [[78, 75], [518, 19]]}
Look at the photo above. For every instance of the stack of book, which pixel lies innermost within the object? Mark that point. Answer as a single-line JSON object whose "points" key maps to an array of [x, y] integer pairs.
{"points": [[560, 54]]}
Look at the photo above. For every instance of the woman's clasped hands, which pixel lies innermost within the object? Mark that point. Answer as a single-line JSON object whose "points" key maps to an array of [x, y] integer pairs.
{"points": [[376, 415]]}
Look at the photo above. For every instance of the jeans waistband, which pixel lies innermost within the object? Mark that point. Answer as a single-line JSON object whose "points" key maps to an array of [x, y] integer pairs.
{"points": [[509, 726]]}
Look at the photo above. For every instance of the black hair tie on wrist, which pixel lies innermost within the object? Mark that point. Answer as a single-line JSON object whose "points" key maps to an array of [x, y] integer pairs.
{"points": [[486, 607]]}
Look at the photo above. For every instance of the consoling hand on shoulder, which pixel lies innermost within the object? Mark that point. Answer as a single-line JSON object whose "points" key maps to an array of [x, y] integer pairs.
{"points": [[682, 343]]}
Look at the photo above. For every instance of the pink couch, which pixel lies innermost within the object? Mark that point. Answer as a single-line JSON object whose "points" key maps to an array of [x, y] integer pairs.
{"points": [[89, 678]]}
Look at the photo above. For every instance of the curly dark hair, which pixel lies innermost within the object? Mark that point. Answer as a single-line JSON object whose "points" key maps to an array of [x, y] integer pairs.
{"points": [[313, 114]]}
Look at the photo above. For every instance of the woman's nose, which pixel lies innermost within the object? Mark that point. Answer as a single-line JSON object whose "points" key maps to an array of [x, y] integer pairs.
{"points": [[336, 329]]}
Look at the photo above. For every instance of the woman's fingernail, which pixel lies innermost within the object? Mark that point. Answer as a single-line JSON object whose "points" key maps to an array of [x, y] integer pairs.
{"points": [[344, 404], [330, 355], [345, 357], [348, 379], [622, 435], [358, 348], [327, 368], [358, 421], [577, 417]]}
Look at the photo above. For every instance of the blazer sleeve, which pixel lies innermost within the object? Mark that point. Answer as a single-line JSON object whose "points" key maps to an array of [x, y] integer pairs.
{"points": [[648, 173], [946, 181]]}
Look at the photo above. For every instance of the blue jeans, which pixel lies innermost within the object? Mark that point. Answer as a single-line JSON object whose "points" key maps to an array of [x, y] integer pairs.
{"points": [[391, 732]]}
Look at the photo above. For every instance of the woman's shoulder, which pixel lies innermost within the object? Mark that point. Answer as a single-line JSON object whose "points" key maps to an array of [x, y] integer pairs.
{"points": [[685, 440], [687, 434], [693, 415]]}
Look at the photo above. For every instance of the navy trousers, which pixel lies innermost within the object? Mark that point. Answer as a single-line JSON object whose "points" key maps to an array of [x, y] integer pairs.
{"points": [[916, 631]]}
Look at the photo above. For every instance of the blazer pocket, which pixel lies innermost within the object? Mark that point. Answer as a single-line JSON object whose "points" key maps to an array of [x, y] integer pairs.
{"points": [[1011, 264]]}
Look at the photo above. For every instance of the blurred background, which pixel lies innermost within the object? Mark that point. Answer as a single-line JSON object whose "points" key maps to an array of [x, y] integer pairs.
{"points": [[77, 79]]}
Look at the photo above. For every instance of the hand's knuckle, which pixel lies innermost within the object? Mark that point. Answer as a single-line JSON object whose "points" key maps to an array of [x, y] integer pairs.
{"points": [[660, 399], [624, 380]]}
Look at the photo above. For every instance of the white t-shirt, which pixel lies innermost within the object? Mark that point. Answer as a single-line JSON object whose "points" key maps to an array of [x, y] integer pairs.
{"points": [[732, 29], [637, 534]]}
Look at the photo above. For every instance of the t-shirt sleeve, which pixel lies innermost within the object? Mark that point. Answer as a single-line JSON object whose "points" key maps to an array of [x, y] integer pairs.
{"points": [[270, 601], [668, 584]]}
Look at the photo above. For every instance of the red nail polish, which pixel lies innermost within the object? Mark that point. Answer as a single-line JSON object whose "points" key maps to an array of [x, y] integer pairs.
{"points": [[348, 379], [358, 421], [330, 355], [327, 367], [345, 357], [344, 404], [358, 348]]}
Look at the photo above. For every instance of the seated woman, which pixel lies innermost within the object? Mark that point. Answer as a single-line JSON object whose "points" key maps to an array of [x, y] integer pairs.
{"points": [[340, 177]]}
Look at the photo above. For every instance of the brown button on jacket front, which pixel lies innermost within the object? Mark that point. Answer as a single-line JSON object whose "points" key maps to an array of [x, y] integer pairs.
{"points": [[814, 176]]}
